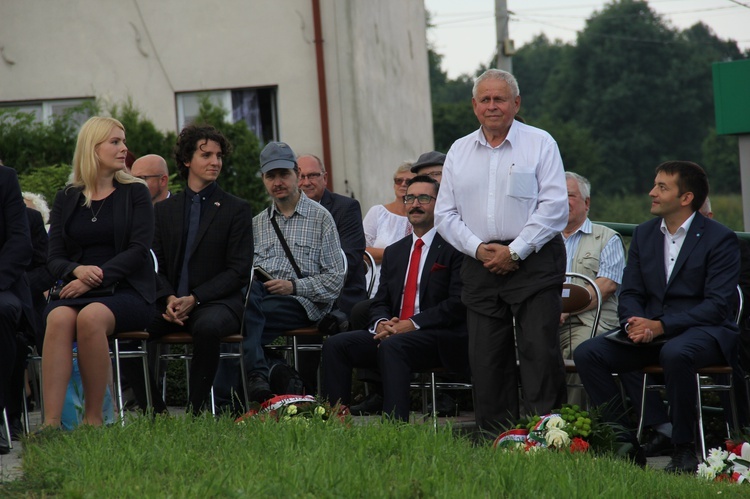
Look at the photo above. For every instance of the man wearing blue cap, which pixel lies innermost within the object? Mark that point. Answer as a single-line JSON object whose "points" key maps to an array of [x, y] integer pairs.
{"points": [[292, 297]]}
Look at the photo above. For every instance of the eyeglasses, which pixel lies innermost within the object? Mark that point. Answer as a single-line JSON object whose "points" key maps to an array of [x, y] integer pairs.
{"points": [[400, 180], [146, 177], [311, 176], [434, 174], [421, 199]]}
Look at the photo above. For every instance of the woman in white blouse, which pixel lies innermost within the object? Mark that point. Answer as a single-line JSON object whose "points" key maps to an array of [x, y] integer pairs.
{"points": [[385, 224]]}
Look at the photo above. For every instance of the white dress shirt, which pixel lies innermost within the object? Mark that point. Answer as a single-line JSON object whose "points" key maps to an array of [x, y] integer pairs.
{"points": [[673, 244], [513, 192]]}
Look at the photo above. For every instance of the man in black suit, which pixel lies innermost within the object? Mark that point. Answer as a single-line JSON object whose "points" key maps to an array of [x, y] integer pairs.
{"points": [[347, 214], [675, 305], [204, 245], [15, 298], [417, 322]]}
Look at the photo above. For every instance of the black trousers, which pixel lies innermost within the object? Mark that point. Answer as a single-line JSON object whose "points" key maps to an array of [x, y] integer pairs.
{"points": [[208, 323], [10, 315], [397, 357], [531, 295]]}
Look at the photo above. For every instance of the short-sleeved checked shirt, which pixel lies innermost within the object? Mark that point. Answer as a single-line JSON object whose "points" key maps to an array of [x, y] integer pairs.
{"points": [[311, 235]]}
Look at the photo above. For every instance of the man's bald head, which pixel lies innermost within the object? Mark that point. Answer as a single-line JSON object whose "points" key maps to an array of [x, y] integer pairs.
{"points": [[153, 169]]}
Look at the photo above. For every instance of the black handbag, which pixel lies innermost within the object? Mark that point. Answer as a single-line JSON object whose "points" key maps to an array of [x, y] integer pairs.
{"points": [[54, 293], [333, 322]]}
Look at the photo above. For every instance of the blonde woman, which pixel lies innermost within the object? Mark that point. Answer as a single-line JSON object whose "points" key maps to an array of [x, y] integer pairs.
{"points": [[101, 229]]}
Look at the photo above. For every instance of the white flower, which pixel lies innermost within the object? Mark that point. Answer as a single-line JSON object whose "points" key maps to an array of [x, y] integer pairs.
{"points": [[291, 409], [705, 472], [555, 422], [556, 437], [320, 410], [717, 454]]}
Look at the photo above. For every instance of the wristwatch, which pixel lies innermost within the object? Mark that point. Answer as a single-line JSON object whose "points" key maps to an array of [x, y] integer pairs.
{"points": [[513, 255]]}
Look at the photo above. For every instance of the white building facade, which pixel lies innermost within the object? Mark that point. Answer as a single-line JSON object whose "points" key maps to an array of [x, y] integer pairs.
{"points": [[357, 94]]}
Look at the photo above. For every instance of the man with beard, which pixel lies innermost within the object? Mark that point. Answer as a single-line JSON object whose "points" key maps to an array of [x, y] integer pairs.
{"points": [[417, 318]]}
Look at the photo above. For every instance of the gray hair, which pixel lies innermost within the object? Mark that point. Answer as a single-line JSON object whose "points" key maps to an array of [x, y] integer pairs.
{"points": [[497, 74], [40, 204], [584, 186]]}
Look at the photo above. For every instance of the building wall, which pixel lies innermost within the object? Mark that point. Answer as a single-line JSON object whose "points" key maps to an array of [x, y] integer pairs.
{"points": [[375, 53]]}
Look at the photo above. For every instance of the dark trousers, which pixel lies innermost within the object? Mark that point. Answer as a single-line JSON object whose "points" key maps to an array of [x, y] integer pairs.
{"points": [[531, 295], [397, 357], [598, 358], [10, 315], [267, 316], [208, 323]]}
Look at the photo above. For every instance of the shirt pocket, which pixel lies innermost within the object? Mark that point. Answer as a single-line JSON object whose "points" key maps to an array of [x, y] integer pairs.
{"points": [[590, 262], [309, 257], [522, 182]]}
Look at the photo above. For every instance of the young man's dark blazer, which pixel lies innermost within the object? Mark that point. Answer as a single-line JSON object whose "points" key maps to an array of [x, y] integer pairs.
{"points": [[347, 215], [222, 253], [441, 309], [132, 262]]}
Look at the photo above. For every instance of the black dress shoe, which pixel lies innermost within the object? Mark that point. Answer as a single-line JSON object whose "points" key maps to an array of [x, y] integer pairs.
{"points": [[372, 405], [658, 445], [683, 460], [258, 388], [446, 406], [4, 447], [637, 455]]}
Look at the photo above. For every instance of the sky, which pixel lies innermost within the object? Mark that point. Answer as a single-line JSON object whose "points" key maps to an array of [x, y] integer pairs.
{"points": [[465, 34]]}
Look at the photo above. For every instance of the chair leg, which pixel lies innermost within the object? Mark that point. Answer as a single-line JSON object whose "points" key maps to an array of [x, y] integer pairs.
{"points": [[147, 377], [119, 403], [243, 375], [7, 429], [433, 392], [701, 431], [25, 407], [643, 410]]}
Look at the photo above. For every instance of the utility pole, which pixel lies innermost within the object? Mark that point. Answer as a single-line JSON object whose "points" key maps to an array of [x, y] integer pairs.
{"points": [[505, 47]]}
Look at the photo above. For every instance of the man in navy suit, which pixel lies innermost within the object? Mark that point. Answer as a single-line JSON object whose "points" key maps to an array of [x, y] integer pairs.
{"points": [[677, 290], [347, 215], [15, 297], [406, 335]]}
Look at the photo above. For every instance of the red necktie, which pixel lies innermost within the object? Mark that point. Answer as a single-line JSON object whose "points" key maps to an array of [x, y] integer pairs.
{"points": [[410, 290]]}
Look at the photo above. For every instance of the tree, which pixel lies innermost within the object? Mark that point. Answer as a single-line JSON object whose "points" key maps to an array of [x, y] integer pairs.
{"points": [[240, 170]]}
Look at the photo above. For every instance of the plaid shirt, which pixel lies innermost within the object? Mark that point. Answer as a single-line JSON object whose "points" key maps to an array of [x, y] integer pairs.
{"points": [[311, 235]]}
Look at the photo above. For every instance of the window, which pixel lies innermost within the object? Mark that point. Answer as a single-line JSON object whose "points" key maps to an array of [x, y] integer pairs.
{"points": [[255, 106], [45, 110]]}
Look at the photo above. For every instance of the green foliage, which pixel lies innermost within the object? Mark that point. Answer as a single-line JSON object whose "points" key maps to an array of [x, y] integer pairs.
{"points": [[45, 180], [26, 144], [187, 457], [142, 136], [633, 91], [240, 172]]}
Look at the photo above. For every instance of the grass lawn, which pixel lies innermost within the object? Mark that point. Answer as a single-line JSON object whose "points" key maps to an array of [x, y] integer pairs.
{"points": [[180, 457]]}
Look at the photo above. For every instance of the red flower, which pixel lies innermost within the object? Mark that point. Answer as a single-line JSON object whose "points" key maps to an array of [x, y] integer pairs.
{"points": [[732, 445], [579, 445]]}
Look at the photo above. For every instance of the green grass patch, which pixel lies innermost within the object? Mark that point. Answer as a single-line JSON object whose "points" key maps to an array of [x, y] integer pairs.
{"points": [[181, 457]]}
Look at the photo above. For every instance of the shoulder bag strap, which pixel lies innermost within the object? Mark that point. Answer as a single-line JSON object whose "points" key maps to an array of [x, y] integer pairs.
{"points": [[286, 247]]}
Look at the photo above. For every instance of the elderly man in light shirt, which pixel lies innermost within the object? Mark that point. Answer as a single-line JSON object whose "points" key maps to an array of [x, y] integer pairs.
{"points": [[597, 252], [503, 202]]}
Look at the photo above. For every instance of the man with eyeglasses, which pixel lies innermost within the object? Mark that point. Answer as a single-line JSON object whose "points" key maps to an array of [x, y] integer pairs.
{"points": [[430, 164], [504, 203], [347, 215], [417, 318], [152, 169]]}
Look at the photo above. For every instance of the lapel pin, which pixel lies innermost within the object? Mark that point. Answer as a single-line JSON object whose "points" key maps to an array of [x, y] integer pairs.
{"points": [[217, 204]]}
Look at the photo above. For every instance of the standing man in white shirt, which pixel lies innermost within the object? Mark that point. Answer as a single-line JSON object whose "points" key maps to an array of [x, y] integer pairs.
{"points": [[503, 202]]}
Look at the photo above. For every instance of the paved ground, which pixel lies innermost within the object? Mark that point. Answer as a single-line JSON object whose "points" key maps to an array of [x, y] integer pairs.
{"points": [[10, 464]]}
